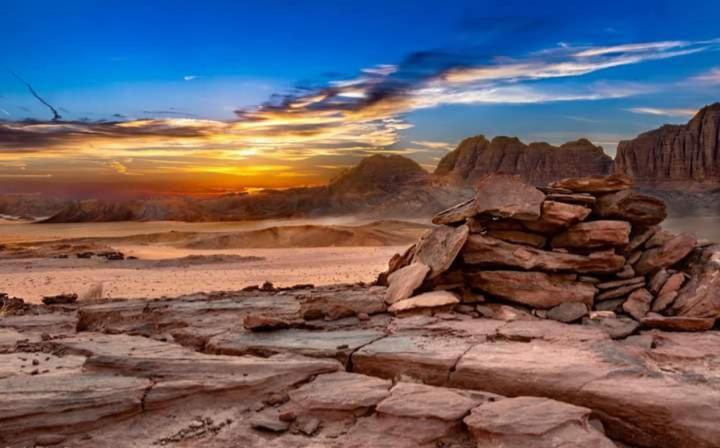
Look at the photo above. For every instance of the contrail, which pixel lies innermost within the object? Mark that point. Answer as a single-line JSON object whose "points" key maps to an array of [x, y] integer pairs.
{"points": [[56, 115]]}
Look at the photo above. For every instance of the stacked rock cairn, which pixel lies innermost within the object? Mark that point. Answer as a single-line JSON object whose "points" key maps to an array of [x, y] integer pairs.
{"points": [[587, 250]]}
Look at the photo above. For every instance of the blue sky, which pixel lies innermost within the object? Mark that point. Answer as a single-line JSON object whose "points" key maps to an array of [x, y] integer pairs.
{"points": [[165, 60]]}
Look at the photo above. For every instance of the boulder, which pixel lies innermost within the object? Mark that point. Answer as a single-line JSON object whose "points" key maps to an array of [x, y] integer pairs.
{"points": [[535, 289], [638, 303], [403, 282], [526, 422], [428, 300], [636, 208], [593, 234], [486, 251], [439, 247], [595, 184], [666, 255]]}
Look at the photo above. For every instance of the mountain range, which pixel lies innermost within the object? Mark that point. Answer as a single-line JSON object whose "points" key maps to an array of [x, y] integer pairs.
{"points": [[680, 163]]}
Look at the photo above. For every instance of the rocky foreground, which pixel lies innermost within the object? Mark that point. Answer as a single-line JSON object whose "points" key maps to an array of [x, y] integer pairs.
{"points": [[525, 319]]}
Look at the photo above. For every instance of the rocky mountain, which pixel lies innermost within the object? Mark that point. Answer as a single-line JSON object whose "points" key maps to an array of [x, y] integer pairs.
{"points": [[536, 163], [675, 157]]}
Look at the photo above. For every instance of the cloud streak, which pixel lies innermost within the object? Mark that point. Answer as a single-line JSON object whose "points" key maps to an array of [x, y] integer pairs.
{"points": [[676, 112], [345, 117]]}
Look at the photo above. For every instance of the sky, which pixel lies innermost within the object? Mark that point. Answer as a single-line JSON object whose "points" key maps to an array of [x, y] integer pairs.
{"points": [[185, 97]]}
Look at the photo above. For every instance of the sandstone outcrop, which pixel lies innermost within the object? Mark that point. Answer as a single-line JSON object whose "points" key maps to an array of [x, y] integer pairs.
{"points": [[536, 163], [681, 157]]}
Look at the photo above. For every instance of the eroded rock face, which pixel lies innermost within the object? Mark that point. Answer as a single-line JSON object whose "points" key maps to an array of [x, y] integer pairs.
{"points": [[403, 282], [537, 163], [675, 156]]}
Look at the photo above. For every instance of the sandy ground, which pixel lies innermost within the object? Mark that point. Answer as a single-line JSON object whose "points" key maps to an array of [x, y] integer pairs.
{"points": [[34, 278]]}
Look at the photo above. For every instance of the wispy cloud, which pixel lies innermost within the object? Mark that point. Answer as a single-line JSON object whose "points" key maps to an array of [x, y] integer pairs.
{"points": [[432, 144], [190, 77], [360, 115], [711, 77], [672, 112]]}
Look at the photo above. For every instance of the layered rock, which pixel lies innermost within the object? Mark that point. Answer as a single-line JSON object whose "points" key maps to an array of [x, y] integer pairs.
{"points": [[536, 163], [675, 156]]}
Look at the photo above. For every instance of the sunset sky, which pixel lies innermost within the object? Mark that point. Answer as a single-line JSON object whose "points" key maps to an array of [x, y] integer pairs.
{"points": [[206, 97]]}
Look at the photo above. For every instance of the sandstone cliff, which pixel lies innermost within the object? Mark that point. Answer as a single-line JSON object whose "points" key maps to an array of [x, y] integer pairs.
{"points": [[537, 163], [675, 157]]}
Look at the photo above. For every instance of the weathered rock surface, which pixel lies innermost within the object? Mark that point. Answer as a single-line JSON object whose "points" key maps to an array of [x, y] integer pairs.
{"points": [[533, 422], [490, 252], [439, 247], [700, 297], [403, 282], [536, 289], [626, 205], [679, 323], [504, 196], [594, 234], [537, 163], [680, 157], [428, 300], [595, 184], [666, 255], [638, 303]]}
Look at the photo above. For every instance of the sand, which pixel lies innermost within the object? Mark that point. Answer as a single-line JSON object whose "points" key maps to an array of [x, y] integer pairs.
{"points": [[32, 279], [168, 268]]}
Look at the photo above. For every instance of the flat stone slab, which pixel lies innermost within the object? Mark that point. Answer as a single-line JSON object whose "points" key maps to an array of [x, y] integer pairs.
{"points": [[66, 403], [534, 422], [36, 364], [340, 391], [319, 344], [428, 359], [423, 401]]}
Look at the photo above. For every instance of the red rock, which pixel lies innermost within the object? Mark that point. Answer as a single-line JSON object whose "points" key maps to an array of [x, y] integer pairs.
{"points": [[403, 282], [638, 303], [260, 322], [428, 300], [636, 208], [422, 401], [340, 391], [593, 234], [673, 284], [700, 297], [485, 251], [675, 156], [657, 280], [568, 312], [535, 289], [640, 238], [620, 291], [663, 301], [533, 422], [519, 237], [556, 216], [595, 184], [456, 214], [618, 283], [570, 198], [678, 323], [666, 255], [659, 238], [537, 163], [504, 196], [398, 261], [439, 247]]}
